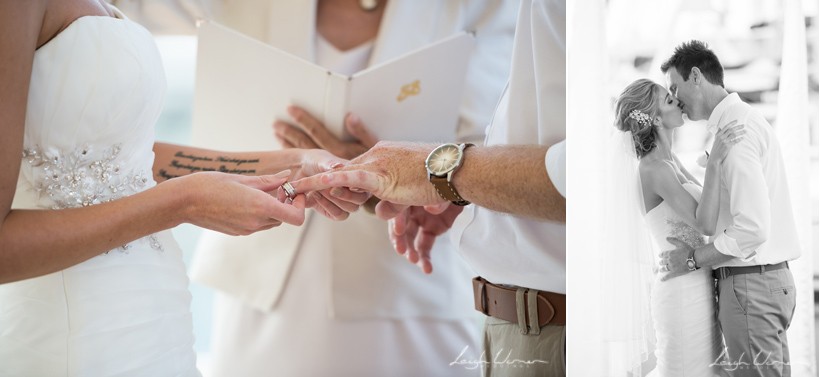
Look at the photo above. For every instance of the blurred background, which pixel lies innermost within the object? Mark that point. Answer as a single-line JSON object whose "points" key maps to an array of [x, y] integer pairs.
{"points": [[769, 50], [174, 126]]}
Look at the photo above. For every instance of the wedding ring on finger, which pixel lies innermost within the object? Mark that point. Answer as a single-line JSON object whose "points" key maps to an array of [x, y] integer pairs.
{"points": [[289, 190]]}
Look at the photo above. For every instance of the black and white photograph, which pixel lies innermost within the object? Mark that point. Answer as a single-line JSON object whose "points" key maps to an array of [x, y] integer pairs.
{"points": [[695, 124]]}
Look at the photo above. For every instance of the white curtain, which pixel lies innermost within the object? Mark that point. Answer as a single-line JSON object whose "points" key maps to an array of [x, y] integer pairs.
{"points": [[588, 121], [792, 126]]}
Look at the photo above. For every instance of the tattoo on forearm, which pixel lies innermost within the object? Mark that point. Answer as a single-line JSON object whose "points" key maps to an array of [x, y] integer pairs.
{"points": [[191, 168], [237, 161], [192, 157], [164, 174], [224, 169], [189, 163]]}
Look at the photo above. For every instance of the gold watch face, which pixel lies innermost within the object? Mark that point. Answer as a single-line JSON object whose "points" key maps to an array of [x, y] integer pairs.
{"points": [[443, 159]]}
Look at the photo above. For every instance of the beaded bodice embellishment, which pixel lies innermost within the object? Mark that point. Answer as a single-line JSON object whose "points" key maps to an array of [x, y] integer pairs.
{"points": [[81, 178]]}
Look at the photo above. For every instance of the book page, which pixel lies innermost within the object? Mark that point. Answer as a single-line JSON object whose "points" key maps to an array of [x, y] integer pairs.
{"points": [[415, 97], [243, 85]]}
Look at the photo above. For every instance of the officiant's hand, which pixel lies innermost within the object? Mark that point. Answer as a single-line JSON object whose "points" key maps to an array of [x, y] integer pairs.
{"points": [[335, 204], [673, 262], [413, 230], [308, 132]]}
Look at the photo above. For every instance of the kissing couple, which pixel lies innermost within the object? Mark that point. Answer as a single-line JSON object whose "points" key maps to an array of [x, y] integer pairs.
{"points": [[734, 232]]}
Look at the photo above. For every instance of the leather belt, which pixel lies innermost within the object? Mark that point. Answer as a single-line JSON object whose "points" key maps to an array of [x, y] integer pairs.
{"points": [[725, 272], [501, 302]]}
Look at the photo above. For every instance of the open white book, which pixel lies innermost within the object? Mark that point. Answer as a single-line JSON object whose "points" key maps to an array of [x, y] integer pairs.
{"points": [[243, 85]]}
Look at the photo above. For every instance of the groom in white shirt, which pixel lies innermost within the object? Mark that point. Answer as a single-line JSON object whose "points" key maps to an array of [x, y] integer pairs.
{"points": [[514, 235], [756, 234]]}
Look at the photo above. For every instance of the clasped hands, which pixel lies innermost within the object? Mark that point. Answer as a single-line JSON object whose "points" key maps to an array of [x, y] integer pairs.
{"points": [[393, 172]]}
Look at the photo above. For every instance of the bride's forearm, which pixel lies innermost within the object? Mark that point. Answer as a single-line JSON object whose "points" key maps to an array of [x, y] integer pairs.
{"points": [[39, 242], [706, 214], [171, 161]]}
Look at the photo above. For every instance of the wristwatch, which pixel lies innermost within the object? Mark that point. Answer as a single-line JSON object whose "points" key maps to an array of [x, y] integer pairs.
{"points": [[690, 262], [441, 164]]}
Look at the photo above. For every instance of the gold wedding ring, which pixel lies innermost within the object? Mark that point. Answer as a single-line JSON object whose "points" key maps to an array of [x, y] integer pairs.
{"points": [[289, 190]]}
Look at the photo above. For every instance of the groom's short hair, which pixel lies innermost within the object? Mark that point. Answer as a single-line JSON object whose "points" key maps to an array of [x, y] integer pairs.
{"points": [[695, 54]]}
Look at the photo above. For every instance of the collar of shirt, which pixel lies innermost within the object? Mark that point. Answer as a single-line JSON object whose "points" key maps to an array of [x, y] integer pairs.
{"points": [[717, 113]]}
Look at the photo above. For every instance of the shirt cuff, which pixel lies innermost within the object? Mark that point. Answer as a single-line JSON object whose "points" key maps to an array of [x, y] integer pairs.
{"points": [[556, 163], [728, 246]]}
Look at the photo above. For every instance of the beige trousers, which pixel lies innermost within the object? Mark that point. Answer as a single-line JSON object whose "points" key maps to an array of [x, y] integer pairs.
{"points": [[509, 353], [754, 312]]}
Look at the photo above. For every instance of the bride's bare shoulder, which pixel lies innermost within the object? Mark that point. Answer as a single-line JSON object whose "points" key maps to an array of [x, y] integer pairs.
{"points": [[17, 16], [59, 14], [652, 169]]}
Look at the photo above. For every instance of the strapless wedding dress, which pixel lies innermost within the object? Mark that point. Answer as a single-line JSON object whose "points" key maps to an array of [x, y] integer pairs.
{"points": [[96, 91], [683, 308]]}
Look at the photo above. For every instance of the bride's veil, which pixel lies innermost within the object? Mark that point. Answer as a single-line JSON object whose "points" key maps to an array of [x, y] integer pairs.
{"points": [[627, 261]]}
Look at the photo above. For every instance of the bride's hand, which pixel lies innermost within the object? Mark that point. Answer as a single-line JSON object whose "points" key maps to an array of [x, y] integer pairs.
{"points": [[728, 136], [235, 204]]}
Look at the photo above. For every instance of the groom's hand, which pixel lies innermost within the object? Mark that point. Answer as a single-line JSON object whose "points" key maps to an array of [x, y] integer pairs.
{"points": [[335, 204], [675, 260], [392, 171], [414, 230]]}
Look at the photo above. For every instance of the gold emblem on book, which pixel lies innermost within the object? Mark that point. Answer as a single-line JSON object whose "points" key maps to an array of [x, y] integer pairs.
{"points": [[409, 90]]}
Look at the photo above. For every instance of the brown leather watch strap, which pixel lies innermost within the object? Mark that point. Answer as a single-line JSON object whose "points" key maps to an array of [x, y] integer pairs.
{"points": [[500, 302], [446, 190]]}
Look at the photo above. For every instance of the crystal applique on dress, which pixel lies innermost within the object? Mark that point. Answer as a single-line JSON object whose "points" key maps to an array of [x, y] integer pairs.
{"points": [[685, 233], [82, 178]]}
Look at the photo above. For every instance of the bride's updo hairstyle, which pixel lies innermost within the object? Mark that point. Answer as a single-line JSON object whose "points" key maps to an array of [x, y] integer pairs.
{"points": [[634, 110]]}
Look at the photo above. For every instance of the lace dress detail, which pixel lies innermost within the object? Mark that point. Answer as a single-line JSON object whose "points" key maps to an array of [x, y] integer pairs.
{"points": [[684, 232]]}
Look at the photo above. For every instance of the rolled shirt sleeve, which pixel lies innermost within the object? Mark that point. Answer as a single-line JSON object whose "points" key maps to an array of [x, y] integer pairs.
{"points": [[556, 164], [749, 202]]}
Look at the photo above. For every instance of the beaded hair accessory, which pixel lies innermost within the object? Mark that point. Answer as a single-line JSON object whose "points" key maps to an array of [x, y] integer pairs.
{"points": [[641, 117]]}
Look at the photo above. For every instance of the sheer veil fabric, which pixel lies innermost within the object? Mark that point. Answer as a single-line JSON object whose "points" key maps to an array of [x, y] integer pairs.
{"points": [[627, 263]]}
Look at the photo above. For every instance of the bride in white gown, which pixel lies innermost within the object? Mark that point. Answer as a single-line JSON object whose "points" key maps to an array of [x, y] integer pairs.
{"points": [[91, 280], [675, 206]]}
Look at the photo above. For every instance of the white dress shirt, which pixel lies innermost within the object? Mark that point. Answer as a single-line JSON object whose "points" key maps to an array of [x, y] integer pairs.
{"points": [[755, 223], [503, 248]]}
